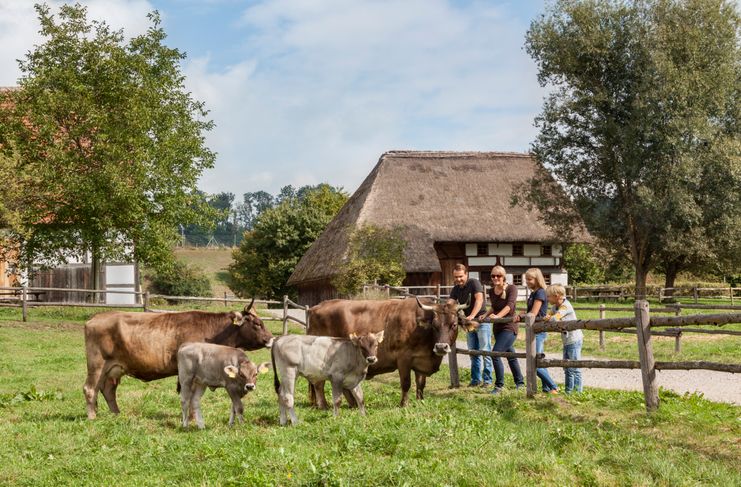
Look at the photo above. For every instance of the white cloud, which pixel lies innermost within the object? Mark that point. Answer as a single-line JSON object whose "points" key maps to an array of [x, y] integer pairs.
{"points": [[326, 87], [19, 27]]}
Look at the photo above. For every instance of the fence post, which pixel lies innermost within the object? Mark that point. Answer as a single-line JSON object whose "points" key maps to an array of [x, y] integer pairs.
{"points": [[602, 332], [145, 302], [661, 295], [437, 293], [455, 381], [285, 315], [646, 355], [225, 303], [695, 293], [530, 357], [574, 293], [678, 309], [24, 299], [730, 291], [678, 342]]}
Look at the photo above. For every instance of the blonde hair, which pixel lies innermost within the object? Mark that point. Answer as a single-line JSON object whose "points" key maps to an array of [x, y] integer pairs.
{"points": [[536, 274], [555, 290], [500, 270]]}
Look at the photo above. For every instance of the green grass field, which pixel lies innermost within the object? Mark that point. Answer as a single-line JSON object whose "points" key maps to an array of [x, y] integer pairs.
{"points": [[461, 437]]}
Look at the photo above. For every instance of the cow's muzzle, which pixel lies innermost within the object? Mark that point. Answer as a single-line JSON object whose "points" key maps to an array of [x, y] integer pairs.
{"points": [[371, 360], [249, 387], [441, 348], [270, 343]]}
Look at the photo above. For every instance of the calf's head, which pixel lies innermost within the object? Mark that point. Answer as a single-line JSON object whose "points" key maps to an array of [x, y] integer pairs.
{"points": [[243, 377], [442, 318], [251, 331], [368, 345]]}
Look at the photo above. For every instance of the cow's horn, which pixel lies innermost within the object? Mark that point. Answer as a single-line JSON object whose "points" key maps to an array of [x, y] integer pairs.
{"points": [[249, 306], [464, 306], [425, 307]]}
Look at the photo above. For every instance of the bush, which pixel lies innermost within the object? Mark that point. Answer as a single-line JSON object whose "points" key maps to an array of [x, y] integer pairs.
{"points": [[180, 280], [374, 255]]}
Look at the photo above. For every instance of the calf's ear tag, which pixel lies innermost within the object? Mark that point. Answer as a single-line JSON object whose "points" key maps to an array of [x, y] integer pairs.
{"points": [[231, 371]]}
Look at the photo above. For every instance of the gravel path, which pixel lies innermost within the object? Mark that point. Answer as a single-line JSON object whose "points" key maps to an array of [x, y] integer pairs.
{"points": [[716, 386]]}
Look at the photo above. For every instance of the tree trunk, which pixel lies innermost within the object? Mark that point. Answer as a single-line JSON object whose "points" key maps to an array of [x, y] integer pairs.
{"points": [[641, 277], [672, 269], [95, 273]]}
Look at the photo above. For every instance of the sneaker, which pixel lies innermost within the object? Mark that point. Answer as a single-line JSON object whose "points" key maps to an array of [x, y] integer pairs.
{"points": [[553, 391], [497, 390], [486, 384], [474, 384]]}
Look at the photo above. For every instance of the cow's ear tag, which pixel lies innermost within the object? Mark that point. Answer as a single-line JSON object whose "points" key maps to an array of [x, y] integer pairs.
{"points": [[231, 371]]}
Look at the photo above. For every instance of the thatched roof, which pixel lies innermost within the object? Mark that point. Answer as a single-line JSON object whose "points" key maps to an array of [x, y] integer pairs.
{"points": [[435, 197]]}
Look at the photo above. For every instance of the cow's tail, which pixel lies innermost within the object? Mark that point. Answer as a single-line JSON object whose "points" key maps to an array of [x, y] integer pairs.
{"points": [[276, 381]]}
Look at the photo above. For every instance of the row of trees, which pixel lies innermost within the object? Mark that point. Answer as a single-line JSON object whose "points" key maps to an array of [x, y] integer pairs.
{"points": [[232, 218]]}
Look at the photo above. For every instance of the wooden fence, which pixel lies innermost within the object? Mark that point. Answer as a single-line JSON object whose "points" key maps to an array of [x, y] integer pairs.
{"points": [[22, 297], [641, 324]]}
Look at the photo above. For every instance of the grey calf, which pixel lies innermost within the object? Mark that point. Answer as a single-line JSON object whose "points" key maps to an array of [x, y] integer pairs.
{"points": [[342, 361], [202, 365]]}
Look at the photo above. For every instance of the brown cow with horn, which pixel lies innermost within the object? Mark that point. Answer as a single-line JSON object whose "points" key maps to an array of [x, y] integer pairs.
{"points": [[145, 345], [416, 336]]}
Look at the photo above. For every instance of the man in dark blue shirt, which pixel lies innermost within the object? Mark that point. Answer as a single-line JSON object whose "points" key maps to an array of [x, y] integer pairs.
{"points": [[467, 290]]}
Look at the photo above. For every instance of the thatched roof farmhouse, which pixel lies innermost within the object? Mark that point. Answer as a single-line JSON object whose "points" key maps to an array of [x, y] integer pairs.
{"points": [[453, 207]]}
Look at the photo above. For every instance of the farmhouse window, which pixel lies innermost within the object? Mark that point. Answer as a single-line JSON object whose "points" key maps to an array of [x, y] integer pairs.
{"points": [[518, 249], [517, 279], [547, 279], [482, 249], [546, 250]]}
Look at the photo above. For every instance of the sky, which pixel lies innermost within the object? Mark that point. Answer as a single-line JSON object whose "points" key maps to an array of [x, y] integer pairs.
{"points": [[311, 91]]}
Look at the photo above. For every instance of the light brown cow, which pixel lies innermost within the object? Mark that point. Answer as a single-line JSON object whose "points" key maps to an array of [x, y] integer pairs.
{"points": [[145, 345]]}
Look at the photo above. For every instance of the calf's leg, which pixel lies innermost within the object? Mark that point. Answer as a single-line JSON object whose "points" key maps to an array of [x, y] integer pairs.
{"points": [[336, 396], [321, 399], [286, 394], [357, 394], [186, 393], [196, 404], [237, 409]]}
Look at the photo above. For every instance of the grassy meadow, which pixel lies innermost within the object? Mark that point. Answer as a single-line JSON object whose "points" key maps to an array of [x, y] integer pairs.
{"points": [[212, 261], [462, 437]]}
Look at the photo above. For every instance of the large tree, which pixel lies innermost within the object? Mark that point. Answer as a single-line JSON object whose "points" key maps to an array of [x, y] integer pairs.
{"points": [[641, 126], [280, 236], [109, 143]]}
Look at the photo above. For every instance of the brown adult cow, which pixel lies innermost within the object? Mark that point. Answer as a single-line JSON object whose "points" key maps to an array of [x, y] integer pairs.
{"points": [[416, 336], [145, 345]]}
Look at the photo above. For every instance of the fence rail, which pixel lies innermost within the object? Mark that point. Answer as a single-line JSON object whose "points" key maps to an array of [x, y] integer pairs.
{"points": [[640, 324]]}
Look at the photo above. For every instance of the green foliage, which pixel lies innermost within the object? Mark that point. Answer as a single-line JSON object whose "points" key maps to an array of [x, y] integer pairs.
{"points": [[281, 235], [180, 279], [583, 265], [375, 255], [12, 398], [641, 125], [109, 143]]}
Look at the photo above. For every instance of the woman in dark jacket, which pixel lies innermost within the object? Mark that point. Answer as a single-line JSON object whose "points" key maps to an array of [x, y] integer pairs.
{"points": [[503, 299]]}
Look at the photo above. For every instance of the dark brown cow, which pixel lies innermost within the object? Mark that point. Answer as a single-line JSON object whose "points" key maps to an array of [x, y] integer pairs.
{"points": [[416, 336], [145, 345]]}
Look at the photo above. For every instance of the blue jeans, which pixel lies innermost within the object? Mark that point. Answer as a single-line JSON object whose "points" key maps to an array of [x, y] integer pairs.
{"points": [[480, 339], [548, 383], [504, 342], [573, 376]]}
